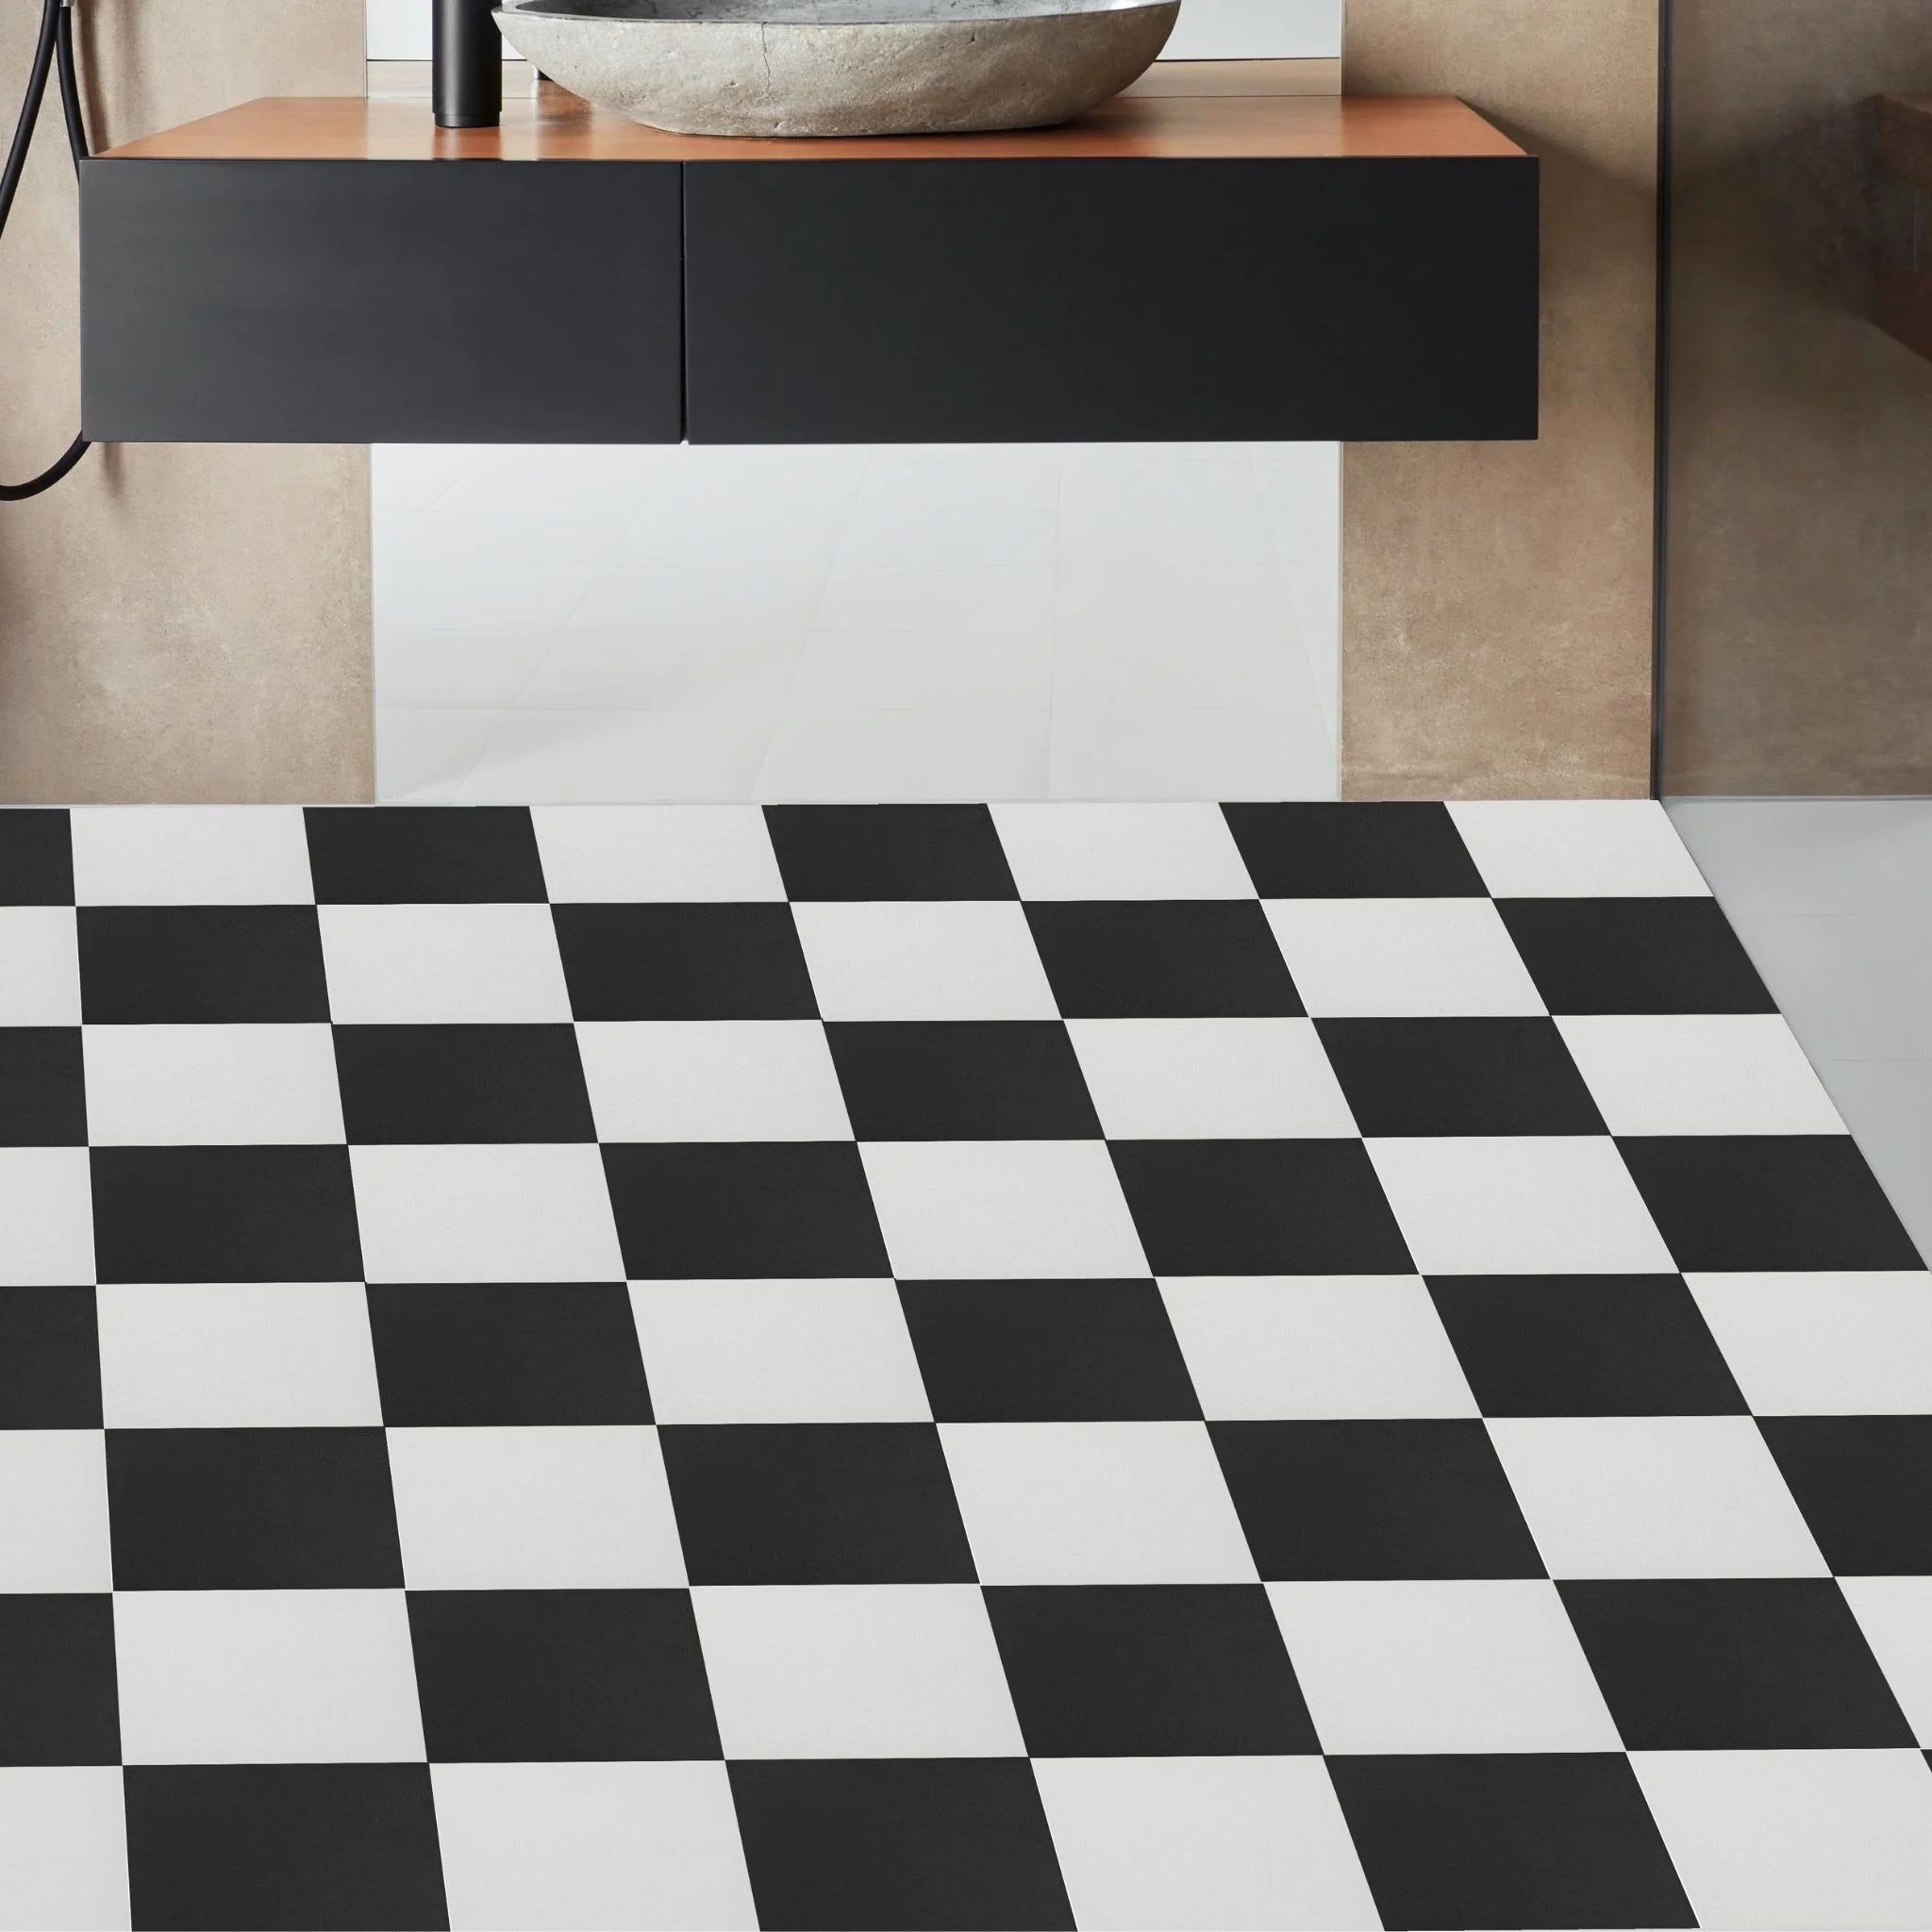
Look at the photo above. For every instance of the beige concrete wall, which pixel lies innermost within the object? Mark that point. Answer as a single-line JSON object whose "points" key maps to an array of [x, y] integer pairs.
{"points": [[1497, 597], [1800, 584], [175, 623]]}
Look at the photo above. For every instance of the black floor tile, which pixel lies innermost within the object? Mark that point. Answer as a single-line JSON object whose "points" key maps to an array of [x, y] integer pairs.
{"points": [[1530, 1840], [42, 1091], [1149, 1670], [884, 1845], [816, 1503], [745, 1210], [684, 962], [463, 1084], [193, 965], [36, 859], [50, 1359], [498, 1355], [962, 1080], [1047, 1351], [527, 1676], [1353, 852], [264, 1847], [888, 852], [252, 1509], [58, 1700], [1767, 1203], [426, 856], [1634, 955], [1259, 1207], [225, 1214], [1162, 959], [1344, 1501], [1585, 1344], [1405, 1077], [1771, 1664], [1864, 1483]]}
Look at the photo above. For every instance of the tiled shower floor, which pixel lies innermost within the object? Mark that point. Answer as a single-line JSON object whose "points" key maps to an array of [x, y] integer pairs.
{"points": [[1120, 1367]]}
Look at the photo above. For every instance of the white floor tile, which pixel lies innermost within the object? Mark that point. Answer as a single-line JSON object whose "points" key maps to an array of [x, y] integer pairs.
{"points": [[430, 964], [529, 1507], [1812, 1839], [266, 1676], [1131, 751], [1512, 1205], [1578, 848], [1183, 1079], [216, 1086], [924, 960], [1824, 1343], [767, 1352], [1074, 851], [1095, 1502], [1203, 1844], [968, 1210], [237, 1356], [660, 855], [191, 855], [47, 1206], [591, 1848], [711, 1080], [54, 1510], [1629, 1496], [1895, 1614], [1315, 1347], [870, 757], [1447, 1666], [870, 1671], [606, 757], [492, 1213], [1401, 959], [1698, 1074], [63, 1848], [39, 966]]}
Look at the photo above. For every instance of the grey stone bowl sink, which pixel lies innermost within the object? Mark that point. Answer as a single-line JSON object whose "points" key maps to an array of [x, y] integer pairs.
{"points": [[841, 67]]}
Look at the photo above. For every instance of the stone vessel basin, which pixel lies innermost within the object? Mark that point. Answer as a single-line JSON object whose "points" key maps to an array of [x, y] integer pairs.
{"points": [[841, 67]]}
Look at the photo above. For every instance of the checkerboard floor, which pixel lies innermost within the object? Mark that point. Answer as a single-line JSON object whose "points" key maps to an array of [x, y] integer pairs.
{"points": [[1102, 1366]]}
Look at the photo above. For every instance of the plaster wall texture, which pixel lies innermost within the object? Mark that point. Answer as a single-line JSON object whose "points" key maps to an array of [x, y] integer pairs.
{"points": [[176, 623], [1496, 633]]}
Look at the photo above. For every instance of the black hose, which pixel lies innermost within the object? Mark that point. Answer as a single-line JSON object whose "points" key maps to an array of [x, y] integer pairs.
{"points": [[53, 52]]}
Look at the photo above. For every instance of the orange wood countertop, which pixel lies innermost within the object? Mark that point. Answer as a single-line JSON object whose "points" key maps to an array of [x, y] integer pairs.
{"points": [[1132, 128]]}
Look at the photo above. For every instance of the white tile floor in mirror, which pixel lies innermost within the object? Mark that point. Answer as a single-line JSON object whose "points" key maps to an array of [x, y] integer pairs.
{"points": [[1125, 620]]}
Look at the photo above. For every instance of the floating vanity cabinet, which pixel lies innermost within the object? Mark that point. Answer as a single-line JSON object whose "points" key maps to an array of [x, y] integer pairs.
{"points": [[1226, 270], [1168, 268], [331, 291]]}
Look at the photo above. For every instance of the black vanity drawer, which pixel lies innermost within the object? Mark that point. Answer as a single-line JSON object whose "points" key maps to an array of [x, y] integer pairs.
{"points": [[374, 301], [1068, 299]]}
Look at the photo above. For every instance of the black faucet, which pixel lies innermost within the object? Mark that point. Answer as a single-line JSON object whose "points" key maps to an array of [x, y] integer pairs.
{"points": [[467, 77]]}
